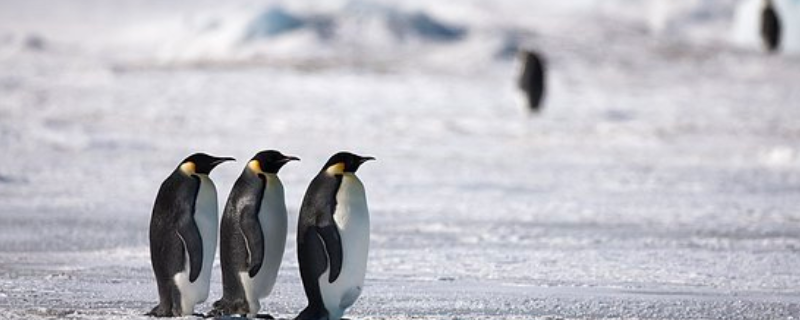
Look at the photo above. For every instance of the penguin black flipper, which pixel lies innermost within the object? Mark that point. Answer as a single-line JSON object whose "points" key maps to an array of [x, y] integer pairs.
{"points": [[329, 235], [251, 228], [189, 233]]}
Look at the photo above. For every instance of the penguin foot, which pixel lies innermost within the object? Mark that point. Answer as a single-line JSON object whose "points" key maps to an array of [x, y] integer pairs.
{"points": [[160, 312], [213, 313], [225, 308], [264, 316]]}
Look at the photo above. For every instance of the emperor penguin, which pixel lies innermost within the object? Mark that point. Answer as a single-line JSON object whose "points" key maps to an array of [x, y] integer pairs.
{"points": [[532, 79], [333, 238], [252, 236], [770, 26], [183, 236]]}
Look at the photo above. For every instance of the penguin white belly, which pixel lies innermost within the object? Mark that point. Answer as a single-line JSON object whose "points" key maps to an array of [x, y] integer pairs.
{"points": [[352, 220], [207, 220], [274, 223]]}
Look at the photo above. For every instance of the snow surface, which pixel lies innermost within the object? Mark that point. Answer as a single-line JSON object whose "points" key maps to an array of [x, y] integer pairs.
{"points": [[661, 180]]}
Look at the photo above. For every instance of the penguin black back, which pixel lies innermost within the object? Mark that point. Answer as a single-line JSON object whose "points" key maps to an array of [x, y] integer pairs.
{"points": [[318, 240], [314, 256], [175, 198], [770, 27], [320, 199], [244, 196], [243, 238], [174, 235], [174, 206], [316, 213], [532, 79]]}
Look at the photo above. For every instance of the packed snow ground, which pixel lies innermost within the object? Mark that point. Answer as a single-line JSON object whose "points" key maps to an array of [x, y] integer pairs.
{"points": [[662, 179]]}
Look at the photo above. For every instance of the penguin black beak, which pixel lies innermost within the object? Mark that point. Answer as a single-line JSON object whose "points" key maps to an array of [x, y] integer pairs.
{"points": [[365, 159], [290, 158], [221, 160]]}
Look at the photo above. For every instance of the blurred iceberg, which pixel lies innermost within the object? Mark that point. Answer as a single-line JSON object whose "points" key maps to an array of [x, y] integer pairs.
{"points": [[361, 29], [273, 22]]}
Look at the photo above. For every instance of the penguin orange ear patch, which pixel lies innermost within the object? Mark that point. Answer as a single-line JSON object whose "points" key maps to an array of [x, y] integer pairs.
{"points": [[336, 169], [189, 168], [255, 166]]}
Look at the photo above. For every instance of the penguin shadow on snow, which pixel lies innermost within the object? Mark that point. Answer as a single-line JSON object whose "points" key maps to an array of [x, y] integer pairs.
{"points": [[264, 316], [235, 317]]}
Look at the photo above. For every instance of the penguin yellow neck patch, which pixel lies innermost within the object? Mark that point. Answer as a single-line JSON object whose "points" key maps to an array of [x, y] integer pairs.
{"points": [[255, 166], [189, 168], [335, 169]]}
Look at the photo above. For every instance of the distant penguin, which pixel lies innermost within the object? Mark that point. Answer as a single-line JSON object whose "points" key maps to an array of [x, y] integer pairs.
{"points": [[183, 236], [770, 27], [333, 238], [532, 79], [252, 236]]}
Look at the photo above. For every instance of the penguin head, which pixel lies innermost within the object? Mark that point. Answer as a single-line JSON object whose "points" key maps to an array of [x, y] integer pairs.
{"points": [[532, 58], [344, 162], [269, 161], [201, 163]]}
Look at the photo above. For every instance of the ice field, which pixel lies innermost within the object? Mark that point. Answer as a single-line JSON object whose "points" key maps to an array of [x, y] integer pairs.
{"points": [[660, 181]]}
